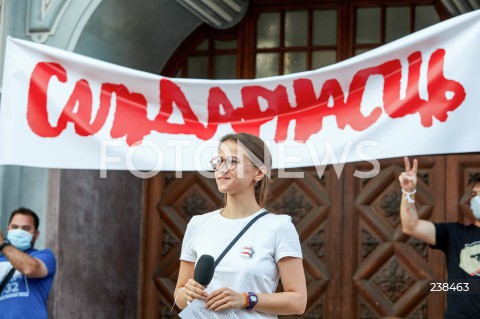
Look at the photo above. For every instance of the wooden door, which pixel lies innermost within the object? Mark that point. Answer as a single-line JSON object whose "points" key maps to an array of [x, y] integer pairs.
{"points": [[357, 261]]}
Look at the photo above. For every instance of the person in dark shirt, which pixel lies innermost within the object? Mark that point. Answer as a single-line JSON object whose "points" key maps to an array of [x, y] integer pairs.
{"points": [[459, 242]]}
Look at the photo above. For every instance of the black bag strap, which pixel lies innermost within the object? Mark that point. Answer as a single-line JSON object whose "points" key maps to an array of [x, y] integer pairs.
{"points": [[238, 237], [6, 279]]}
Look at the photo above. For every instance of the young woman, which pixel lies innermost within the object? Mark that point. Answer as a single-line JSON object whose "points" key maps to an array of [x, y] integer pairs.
{"points": [[246, 279]]}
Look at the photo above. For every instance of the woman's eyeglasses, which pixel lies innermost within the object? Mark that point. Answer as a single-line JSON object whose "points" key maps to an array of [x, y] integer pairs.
{"points": [[230, 162]]}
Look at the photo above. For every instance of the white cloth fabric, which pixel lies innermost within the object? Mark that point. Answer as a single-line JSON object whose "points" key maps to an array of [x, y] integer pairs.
{"points": [[250, 265]]}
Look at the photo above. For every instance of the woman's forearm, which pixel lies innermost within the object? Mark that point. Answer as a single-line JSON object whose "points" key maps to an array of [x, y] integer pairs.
{"points": [[282, 303], [180, 298]]}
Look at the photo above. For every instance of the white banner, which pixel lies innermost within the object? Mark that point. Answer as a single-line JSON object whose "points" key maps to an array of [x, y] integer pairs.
{"points": [[417, 95]]}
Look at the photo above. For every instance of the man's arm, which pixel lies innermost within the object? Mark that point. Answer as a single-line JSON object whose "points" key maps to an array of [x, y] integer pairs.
{"points": [[26, 264], [411, 224]]}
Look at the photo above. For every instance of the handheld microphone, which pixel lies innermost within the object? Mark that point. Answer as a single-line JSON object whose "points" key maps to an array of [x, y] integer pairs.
{"points": [[204, 270]]}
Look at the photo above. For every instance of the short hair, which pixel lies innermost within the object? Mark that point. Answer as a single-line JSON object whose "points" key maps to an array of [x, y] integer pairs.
{"points": [[474, 179], [26, 211]]}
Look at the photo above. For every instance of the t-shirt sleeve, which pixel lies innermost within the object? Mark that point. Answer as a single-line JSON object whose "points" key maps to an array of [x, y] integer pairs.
{"points": [[441, 236], [287, 241], [188, 250], [48, 258]]}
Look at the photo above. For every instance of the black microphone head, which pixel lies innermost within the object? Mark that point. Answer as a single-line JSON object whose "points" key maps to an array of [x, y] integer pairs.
{"points": [[204, 270]]}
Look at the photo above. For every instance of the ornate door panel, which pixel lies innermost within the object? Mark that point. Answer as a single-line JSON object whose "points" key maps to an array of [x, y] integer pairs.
{"points": [[314, 203], [170, 203], [386, 273]]}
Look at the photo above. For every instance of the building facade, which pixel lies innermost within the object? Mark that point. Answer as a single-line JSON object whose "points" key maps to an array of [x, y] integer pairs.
{"points": [[117, 239]]}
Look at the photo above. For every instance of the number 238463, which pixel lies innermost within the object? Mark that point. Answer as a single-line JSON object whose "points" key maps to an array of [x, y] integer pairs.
{"points": [[449, 287]]}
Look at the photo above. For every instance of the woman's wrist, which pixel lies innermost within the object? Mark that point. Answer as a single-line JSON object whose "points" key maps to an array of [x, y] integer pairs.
{"points": [[245, 300], [252, 300], [177, 295]]}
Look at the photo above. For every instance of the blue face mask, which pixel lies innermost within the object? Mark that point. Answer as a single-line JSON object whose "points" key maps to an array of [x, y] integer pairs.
{"points": [[21, 239]]}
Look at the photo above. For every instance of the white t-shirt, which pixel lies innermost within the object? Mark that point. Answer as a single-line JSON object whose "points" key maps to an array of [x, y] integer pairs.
{"points": [[250, 265]]}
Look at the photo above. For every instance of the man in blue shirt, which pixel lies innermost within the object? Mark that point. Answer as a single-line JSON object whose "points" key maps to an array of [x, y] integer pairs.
{"points": [[25, 294]]}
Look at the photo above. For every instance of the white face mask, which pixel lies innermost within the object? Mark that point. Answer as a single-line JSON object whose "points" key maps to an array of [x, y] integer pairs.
{"points": [[475, 206], [19, 238]]}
